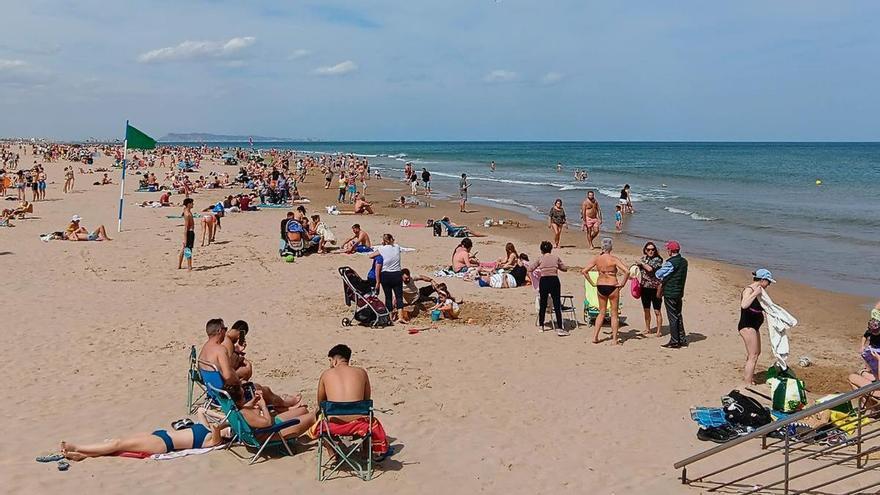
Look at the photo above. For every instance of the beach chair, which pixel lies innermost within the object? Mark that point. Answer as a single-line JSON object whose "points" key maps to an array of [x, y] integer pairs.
{"points": [[591, 303], [195, 384], [460, 231], [346, 447], [243, 434], [567, 301]]}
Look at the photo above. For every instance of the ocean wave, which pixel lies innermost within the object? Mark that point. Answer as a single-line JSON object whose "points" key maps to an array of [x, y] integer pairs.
{"points": [[365, 156], [399, 155], [693, 215], [510, 202]]}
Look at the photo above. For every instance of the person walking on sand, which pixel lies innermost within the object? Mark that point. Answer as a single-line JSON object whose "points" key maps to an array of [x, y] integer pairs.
{"points": [[673, 275], [591, 215], [751, 317], [607, 287], [426, 180], [463, 186], [189, 236], [557, 221]]}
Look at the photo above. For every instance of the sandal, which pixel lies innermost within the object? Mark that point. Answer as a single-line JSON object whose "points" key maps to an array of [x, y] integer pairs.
{"points": [[50, 458], [63, 465], [182, 424]]}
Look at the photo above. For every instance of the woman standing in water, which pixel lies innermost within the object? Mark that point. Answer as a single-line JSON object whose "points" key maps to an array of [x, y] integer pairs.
{"points": [[557, 221], [607, 287]]}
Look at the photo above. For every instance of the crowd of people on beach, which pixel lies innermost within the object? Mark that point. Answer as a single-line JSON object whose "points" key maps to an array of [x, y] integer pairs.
{"points": [[273, 180]]}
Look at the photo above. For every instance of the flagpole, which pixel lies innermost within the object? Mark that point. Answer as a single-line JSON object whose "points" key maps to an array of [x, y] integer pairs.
{"points": [[122, 182]]}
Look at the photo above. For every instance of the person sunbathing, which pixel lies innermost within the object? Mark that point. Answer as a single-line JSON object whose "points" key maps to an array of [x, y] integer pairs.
{"points": [[257, 414], [76, 232], [6, 218], [23, 208], [345, 383], [499, 280], [198, 436], [510, 259], [462, 259], [357, 243], [216, 367], [465, 231], [362, 206]]}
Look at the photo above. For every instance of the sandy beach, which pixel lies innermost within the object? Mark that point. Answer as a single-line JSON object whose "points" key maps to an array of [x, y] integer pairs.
{"points": [[99, 336]]}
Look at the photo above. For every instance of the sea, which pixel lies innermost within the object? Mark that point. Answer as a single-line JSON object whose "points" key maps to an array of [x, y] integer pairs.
{"points": [[807, 211]]}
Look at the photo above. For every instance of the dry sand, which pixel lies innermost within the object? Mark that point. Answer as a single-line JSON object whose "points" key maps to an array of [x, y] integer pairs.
{"points": [[98, 337]]}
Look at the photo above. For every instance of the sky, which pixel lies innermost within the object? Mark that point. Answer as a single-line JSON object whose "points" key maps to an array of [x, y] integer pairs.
{"points": [[443, 70]]}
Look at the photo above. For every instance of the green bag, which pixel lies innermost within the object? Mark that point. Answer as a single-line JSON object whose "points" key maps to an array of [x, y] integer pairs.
{"points": [[788, 392]]}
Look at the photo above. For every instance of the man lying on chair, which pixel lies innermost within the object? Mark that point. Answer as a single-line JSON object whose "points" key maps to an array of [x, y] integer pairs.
{"points": [[345, 383]]}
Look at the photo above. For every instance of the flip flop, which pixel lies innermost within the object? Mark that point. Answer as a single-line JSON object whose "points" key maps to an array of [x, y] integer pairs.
{"points": [[50, 458], [63, 465], [386, 455]]}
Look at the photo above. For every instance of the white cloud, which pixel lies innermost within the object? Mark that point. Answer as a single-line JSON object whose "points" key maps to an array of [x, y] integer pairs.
{"points": [[9, 65], [552, 77], [298, 54], [193, 50], [500, 75], [18, 73], [339, 69]]}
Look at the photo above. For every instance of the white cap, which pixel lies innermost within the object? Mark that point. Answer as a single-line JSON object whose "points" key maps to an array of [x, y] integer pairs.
{"points": [[75, 218]]}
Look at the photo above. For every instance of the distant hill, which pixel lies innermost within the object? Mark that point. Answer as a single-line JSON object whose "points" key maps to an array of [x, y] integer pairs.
{"points": [[201, 137]]}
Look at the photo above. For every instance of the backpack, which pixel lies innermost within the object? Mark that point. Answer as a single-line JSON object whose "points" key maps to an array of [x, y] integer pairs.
{"points": [[742, 410]]}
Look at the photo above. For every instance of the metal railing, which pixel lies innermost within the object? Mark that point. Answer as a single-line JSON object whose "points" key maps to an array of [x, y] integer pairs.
{"points": [[801, 446]]}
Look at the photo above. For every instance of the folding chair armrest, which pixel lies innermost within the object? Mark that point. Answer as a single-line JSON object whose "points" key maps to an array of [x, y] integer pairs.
{"points": [[277, 428]]}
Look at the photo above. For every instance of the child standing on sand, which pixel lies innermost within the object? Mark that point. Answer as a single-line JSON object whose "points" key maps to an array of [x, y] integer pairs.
{"points": [[618, 218]]}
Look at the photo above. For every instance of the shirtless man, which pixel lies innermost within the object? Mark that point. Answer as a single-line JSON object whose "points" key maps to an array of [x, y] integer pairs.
{"points": [[345, 383], [358, 243], [592, 217], [235, 344], [362, 206], [189, 236], [215, 353]]}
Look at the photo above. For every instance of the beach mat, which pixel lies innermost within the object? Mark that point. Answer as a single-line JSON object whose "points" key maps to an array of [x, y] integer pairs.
{"points": [[281, 207]]}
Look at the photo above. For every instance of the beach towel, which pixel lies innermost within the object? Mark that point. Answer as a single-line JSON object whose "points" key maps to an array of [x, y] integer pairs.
{"points": [[269, 205], [779, 321], [708, 417], [195, 215], [183, 453], [357, 428]]}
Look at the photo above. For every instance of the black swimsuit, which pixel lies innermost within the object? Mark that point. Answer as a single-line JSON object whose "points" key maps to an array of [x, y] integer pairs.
{"points": [[606, 290], [751, 317]]}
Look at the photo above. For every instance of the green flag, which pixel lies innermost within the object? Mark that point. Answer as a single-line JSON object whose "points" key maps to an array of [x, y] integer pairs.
{"points": [[137, 140]]}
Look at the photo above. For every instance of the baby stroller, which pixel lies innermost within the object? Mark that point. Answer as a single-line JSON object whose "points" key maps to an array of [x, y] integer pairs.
{"points": [[368, 308]]}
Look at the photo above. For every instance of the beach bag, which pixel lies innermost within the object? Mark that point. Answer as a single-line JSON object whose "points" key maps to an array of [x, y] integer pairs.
{"points": [[788, 392], [742, 410], [635, 288]]}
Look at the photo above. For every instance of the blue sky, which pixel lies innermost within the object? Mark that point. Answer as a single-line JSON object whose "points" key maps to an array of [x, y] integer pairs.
{"points": [[443, 70]]}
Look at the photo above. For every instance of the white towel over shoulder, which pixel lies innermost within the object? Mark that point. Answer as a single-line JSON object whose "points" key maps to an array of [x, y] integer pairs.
{"points": [[778, 322]]}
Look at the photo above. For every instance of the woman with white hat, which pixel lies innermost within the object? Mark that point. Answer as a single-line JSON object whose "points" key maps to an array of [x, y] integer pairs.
{"points": [[751, 317]]}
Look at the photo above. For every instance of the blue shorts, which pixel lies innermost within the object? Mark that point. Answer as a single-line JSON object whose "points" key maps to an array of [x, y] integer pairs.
{"points": [[42, 185], [315, 240], [482, 282], [360, 248]]}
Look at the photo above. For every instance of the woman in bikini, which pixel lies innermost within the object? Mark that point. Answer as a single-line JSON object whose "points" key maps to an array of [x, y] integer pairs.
{"points": [[510, 259], [607, 287], [198, 436]]}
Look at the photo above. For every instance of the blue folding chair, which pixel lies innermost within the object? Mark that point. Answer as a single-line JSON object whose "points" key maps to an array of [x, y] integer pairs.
{"points": [[460, 231], [345, 447], [243, 434]]}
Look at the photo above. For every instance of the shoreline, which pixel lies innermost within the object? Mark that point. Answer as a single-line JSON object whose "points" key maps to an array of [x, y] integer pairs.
{"points": [[129, 318]]}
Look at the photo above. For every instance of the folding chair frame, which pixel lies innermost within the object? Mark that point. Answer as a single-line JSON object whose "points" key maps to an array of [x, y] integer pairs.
{"points": [[345, 451], [272, 432]]}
